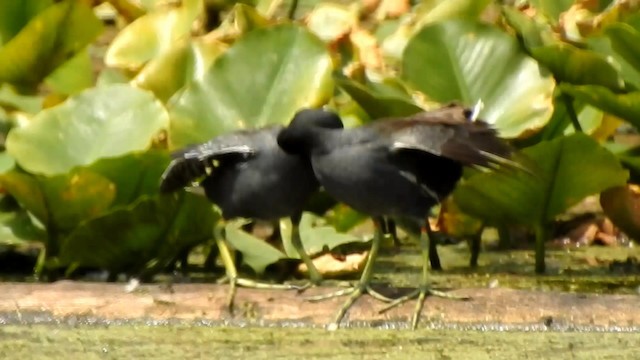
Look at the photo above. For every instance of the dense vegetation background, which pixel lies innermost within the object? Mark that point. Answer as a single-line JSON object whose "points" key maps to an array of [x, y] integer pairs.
{"points": [[94, 95]]}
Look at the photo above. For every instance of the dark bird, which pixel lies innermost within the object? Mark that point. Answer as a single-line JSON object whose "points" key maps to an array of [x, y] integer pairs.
{"points": [[393, 167], [246, 174]]}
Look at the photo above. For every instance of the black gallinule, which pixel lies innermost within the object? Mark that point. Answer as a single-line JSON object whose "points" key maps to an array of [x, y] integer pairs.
{"points": [[246, 174], [393, 167]]}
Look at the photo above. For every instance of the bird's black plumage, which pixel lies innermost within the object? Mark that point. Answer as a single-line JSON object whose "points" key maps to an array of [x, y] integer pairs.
{"points": [[246, 174], [393, 167]]}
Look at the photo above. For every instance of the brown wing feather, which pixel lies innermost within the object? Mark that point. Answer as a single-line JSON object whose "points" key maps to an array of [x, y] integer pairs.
{"points": [[447, 132]]}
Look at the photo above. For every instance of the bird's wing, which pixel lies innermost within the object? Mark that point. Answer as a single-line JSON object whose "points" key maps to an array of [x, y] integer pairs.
{"points": [[450, 133], [194, 162]]}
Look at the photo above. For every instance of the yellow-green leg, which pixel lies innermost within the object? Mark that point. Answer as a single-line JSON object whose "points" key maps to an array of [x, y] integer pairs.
{"points": [[363, 285], [232, 272], [425, 288], [314, 275]]}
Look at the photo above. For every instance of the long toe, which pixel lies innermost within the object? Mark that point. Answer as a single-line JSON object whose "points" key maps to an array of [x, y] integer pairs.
{"points": [[353, 293], [420, 294]]}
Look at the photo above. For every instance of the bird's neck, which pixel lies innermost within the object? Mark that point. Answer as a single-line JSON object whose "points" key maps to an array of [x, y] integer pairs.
{"points": [[323, 141]]}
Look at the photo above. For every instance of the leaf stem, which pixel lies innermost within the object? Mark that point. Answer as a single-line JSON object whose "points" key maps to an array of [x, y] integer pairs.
{"points": [[541, 238], [568, 103], [504, 237], [292, 9]]}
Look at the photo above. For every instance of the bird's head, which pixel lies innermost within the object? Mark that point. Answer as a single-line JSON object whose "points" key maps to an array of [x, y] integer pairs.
{"points": [[305, 132]]}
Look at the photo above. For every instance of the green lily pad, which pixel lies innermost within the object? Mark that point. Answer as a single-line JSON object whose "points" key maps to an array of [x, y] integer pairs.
{"points": [[624, 106], [152, 229], [343, 218], [603, 45], [101, 122], [534, 32], [576, 66], [6, 162], [590, 118], [256, 253], [456, 60], [561, 178], [315, 238], [377, 105], [626, 42], [73, 76], [14, 15], [51, 38], [152, 34], [134, 175], [61, 202], [264, 78], [629, 157], [177, 67], [17, 227], [552, 8], [9, 98], [241, 19], [428, 12]]}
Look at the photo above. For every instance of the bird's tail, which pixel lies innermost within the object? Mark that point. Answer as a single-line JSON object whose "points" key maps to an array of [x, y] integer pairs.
{"points": [[181, 172], [483, 148]]}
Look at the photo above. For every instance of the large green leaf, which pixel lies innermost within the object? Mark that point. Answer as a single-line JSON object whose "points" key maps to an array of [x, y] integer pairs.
{"points": [[73, 76], [625, 40], [26, 103], [61, 202], [240, 20], [624, 106], [177, 67], [428, 12], [256, 253], [457, 60], [14, 15], [552, 8], [577, 66], [126, 239], [134, 175], [533, 32], [565, 170], [377, 105], [51, 38], [17, 227], [6, 162], [264, 78], [101, 122], [152, 34], [603, 45], [316, 236], [590, 118]]}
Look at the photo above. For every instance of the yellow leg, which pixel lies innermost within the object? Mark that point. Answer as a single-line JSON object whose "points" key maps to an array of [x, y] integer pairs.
{"points": [[314, 275], [232, 273], [425, 288], [363, 285]]}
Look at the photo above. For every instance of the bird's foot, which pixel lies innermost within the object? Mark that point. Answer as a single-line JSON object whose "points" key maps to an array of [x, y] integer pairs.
{"points": [[353, 293], [248, 283], [420, 293], [306, 285]]}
